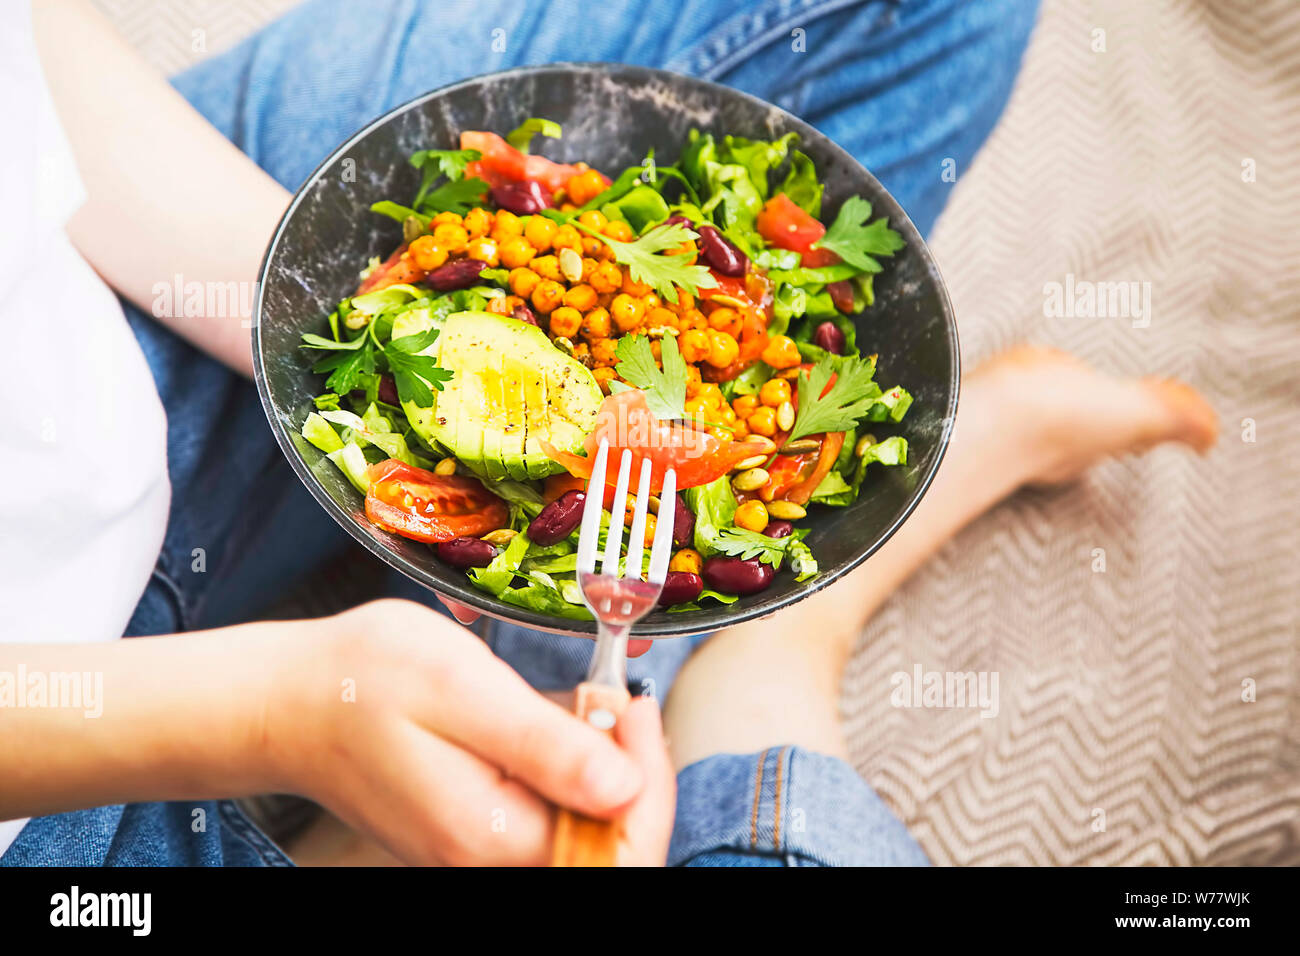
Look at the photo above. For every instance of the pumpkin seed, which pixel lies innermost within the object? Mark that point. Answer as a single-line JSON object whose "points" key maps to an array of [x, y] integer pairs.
{"points": [[730, 300], [570, 264], [786, 510], [801, 446], [785, 416], [766, 445], [750, 480], [749, 463], [500, 537], [563, 343], [412, 228], [865, 442], [445, 467], [357, 319]]}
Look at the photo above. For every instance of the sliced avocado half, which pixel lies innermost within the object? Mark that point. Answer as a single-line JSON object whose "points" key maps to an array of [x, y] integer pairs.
{"points": [[510, 388]]}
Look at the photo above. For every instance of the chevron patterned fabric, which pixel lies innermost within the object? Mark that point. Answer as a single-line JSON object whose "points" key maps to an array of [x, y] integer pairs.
{"points": [[1126, 617]]}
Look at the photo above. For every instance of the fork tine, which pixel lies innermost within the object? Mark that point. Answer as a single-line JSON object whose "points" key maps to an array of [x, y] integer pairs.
{"points": [[614, 539], [664, 530], [589, 536], [636, 541]]}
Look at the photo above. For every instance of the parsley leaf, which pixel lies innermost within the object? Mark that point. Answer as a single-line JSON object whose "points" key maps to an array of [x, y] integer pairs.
{"points": [[664, 273], [855, 242], [523, 134], [851, 396], [436, 163], [665, 391], [744, 543], [458, 196], [350, 369], [414, 373]]}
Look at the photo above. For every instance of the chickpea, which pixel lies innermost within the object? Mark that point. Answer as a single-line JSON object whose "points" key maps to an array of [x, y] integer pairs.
{"points": [[484, 250], [603, 375], [694, 345], [585, 186], [618, 230], [451, 237], [711, 394], [507, 225], [547, 296], [589, 267], [627, 312], [659, 317], [426, 252], [594, 219], [523, 281], [692, 374], [581, 297], [446, 218], [596, 325], [548, 267], [693, 319], [781, 352], [478, 222], [605, 352], [685, 301], [539, 232], [497, 305], [608, 277], [723, 349], [566, 237], [762, 421], [688, 560], [774, 392], [752, 516], [568, 207], [723, 319], [565, 321], [638, 289], [744, 405], [591, 246], [516, 252]]}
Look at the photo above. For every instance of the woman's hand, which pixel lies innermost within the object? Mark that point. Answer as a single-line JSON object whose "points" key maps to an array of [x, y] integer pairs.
{"points": [[409, 729]]}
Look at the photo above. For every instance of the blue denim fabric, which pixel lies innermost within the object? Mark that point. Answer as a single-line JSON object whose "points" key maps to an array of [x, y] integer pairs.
{"points": [[903, 85]]}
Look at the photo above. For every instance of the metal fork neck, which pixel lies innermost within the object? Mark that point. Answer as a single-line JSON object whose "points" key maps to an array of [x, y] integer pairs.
{"points": [[609, 661]]}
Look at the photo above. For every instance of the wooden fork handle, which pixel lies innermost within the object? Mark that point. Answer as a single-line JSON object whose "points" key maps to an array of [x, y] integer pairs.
{"points": [[580, 840]]}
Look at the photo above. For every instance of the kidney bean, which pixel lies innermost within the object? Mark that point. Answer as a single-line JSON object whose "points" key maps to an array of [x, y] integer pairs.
{"points": [[842, 295], [778, 528], [558, 519], [465, 553], [737, 575], [828, 336], [522, 199], [524, 314], [388, 390], [679, 587], [679, 219], [683, 523], [460, 274], [720, 254]]}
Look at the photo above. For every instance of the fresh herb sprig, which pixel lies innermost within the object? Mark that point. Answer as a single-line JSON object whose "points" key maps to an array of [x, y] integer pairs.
{"points": [[838, 407], [855, 240], [355, 364], [665, 273], [665, 390]]}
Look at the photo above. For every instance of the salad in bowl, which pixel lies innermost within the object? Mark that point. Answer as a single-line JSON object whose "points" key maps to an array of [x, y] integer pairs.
{"points": [[698, 314]]}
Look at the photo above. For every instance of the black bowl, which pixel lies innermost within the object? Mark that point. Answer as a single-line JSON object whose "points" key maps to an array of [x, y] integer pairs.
{"points": [[611, 115]]}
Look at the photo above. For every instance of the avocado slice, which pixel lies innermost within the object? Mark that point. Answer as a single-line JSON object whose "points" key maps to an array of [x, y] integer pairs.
{"points": [[510, 389]]}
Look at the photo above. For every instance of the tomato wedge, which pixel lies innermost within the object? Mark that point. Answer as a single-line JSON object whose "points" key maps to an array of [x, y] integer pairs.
{"points": [[796, 477], [391, 271], [418, 504], [786, 226], [626, 423], [502, 163]]}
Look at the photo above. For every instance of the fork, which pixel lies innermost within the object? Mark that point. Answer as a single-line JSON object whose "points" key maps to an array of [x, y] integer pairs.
{"points": [[618, 601]]}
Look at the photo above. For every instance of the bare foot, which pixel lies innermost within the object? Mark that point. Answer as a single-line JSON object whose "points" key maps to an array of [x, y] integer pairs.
{"points": [[1066, 416]]}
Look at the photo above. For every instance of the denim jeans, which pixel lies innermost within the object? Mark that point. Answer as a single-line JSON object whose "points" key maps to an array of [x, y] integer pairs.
{"points": [[911, 88]]}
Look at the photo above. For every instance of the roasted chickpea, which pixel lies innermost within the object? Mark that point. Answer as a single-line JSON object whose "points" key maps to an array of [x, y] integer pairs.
{"points": [[589, 267], [596, 325], [762, 421], [585, 186], [781, 352], [426, 252], [566, 237], [605, 352], [497, 305], [688, 560], [724, 319], [618, 230], [774, 392], [594, 219], [484, 250], [659, 317], [506, 225], [446, 218], [694, 345], [547, 296], [603, 375], [452, 237], [751, 515], [581, 297], [523, 281], [516, 252], [711, 394], [540, 231], [638, 289], [608, 277], [591, 246], [685, 301], [548, 267], [566, 321], [723, 349], [744, 405], [477, 222], [693, 319], [627, 312]]}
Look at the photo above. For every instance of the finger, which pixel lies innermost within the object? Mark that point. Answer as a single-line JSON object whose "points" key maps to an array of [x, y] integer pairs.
{"points": [[636, 647], [489, 709], [1179, 413], [460, 612], [648, 825]]}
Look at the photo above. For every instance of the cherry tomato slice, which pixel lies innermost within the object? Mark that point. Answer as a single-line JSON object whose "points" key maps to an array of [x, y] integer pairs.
{"points": [[786, 226], [626, 423], [391, 271], [418, 504], [796, 477], [502, 163]]}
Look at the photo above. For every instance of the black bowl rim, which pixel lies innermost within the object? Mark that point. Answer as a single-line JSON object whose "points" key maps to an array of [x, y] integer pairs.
{"points": [[465, 593]]}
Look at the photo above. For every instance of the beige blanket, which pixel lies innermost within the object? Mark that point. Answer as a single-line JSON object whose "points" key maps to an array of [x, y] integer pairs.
{"points": [[1127, 617]]}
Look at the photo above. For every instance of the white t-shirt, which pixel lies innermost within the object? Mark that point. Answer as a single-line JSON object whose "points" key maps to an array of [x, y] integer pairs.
{"points": [[83, 446]]}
